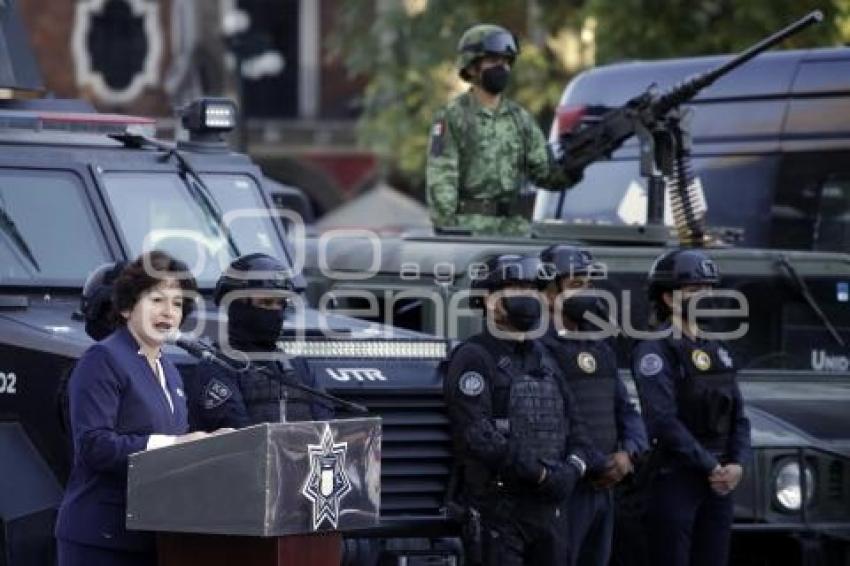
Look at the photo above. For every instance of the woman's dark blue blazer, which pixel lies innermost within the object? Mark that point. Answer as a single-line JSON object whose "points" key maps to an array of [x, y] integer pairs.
{"points": [[116, 403]]}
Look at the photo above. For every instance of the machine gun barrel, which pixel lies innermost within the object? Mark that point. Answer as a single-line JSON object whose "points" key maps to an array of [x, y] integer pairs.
{"points": [[584, 145], [689, 88]]}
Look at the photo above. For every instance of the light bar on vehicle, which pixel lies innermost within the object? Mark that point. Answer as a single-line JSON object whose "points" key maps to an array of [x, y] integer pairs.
{"points": [[76, 122], [418, 349]]}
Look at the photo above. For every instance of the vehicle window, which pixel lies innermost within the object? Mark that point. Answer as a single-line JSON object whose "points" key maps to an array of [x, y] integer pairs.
{"points": [[812, 201], [613, 192], [204, 228], [30, 254], [250, 220]]}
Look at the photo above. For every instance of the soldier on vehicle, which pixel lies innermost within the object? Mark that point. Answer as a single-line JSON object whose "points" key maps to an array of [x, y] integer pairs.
{"points": [[484, 147], [695, 417], [517, 437], [221, 397], [614, 425]]}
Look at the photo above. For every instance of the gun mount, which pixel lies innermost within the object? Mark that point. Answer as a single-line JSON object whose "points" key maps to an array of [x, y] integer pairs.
{"points": [[662, 129]]}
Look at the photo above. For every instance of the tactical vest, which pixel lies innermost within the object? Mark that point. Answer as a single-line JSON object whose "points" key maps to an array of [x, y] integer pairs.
{"points": [[590, 369], [531, 404], [705, 396], [262, 393]]}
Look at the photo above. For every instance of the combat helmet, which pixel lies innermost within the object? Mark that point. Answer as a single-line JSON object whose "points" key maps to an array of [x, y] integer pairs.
{"points": [[481, 40], [677, 268], [241, 275], [501, 270], [96, 300], [568, 261]]}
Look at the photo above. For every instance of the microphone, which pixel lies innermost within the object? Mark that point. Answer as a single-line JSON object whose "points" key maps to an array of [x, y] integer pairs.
{"points": [[198, 350]]}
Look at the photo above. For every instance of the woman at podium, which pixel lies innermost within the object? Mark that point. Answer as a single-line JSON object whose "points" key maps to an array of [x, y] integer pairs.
{"points": [[125, 397]]}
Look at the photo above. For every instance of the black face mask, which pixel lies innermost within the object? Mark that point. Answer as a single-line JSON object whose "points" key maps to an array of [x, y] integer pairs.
{"points": [[250, 327], [705, 303], [495, 79], [523, 312], [576, 306]]}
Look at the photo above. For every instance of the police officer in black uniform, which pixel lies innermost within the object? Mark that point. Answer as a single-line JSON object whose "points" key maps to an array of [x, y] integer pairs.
{"points": [[695, 417], [225, 398], [614, 424], [96, 300], [514, 422]]}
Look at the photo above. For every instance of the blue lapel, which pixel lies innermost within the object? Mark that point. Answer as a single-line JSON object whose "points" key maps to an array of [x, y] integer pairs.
{"points": [[146, 379]]}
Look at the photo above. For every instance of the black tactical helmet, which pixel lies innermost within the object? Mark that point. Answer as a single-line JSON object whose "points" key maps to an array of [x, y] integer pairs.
{"points": [[678, 268], [238, 276], [504, 269], [567, 261], [96, 300], [481, 40]]}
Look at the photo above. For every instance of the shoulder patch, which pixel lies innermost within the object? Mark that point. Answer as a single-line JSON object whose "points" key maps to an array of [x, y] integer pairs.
{"points": [[438, 130], [471, 383], [650, 364], [216, 393], [701, 360]]}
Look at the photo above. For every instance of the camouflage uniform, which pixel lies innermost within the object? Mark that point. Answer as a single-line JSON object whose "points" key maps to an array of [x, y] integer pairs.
{"points": [[479, 160]]}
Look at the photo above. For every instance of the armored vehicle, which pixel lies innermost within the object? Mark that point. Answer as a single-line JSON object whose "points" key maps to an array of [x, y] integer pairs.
{"points": [[793, 348], [78, 189]]}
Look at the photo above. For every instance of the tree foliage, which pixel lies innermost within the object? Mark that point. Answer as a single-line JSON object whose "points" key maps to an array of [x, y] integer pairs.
{"points": [[409, 61], [407, 55], [654, 29]]}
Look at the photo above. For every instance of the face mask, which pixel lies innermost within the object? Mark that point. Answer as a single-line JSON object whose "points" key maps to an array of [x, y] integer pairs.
{"points": [[495, 79], [704, 305], [252, 327], [523, 312], [576, 306]]}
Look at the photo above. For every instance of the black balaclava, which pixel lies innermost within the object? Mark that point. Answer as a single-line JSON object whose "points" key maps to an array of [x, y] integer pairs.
{"points": [[253, 328]]}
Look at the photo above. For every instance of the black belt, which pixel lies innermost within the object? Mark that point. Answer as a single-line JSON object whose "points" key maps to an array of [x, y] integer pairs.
{"points": [[488, 207]]}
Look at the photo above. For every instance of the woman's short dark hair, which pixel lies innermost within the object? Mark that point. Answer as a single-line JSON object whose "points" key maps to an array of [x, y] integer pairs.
{"points": [[146, 272]]}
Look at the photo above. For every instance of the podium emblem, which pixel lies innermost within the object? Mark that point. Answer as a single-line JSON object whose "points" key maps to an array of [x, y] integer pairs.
{"points": [[327, 482]]}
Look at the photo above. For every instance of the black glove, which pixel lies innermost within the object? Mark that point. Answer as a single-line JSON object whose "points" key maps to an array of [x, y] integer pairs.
{"points": [[560, 481], [526, 468]]}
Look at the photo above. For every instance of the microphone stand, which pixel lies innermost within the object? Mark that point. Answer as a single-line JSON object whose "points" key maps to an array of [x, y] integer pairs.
{"points": [[213, 354]]}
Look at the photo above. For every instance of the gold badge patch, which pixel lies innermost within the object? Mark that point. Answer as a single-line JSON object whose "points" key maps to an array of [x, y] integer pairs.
{"points": [[586, 362], [701, 360]]}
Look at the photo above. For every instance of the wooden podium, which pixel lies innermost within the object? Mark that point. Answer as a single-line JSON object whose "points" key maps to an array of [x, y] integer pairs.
{"points": [[272, 494]]}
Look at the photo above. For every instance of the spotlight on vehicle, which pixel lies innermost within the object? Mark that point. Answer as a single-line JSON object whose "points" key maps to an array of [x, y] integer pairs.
{"points": [[208, 119]]}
